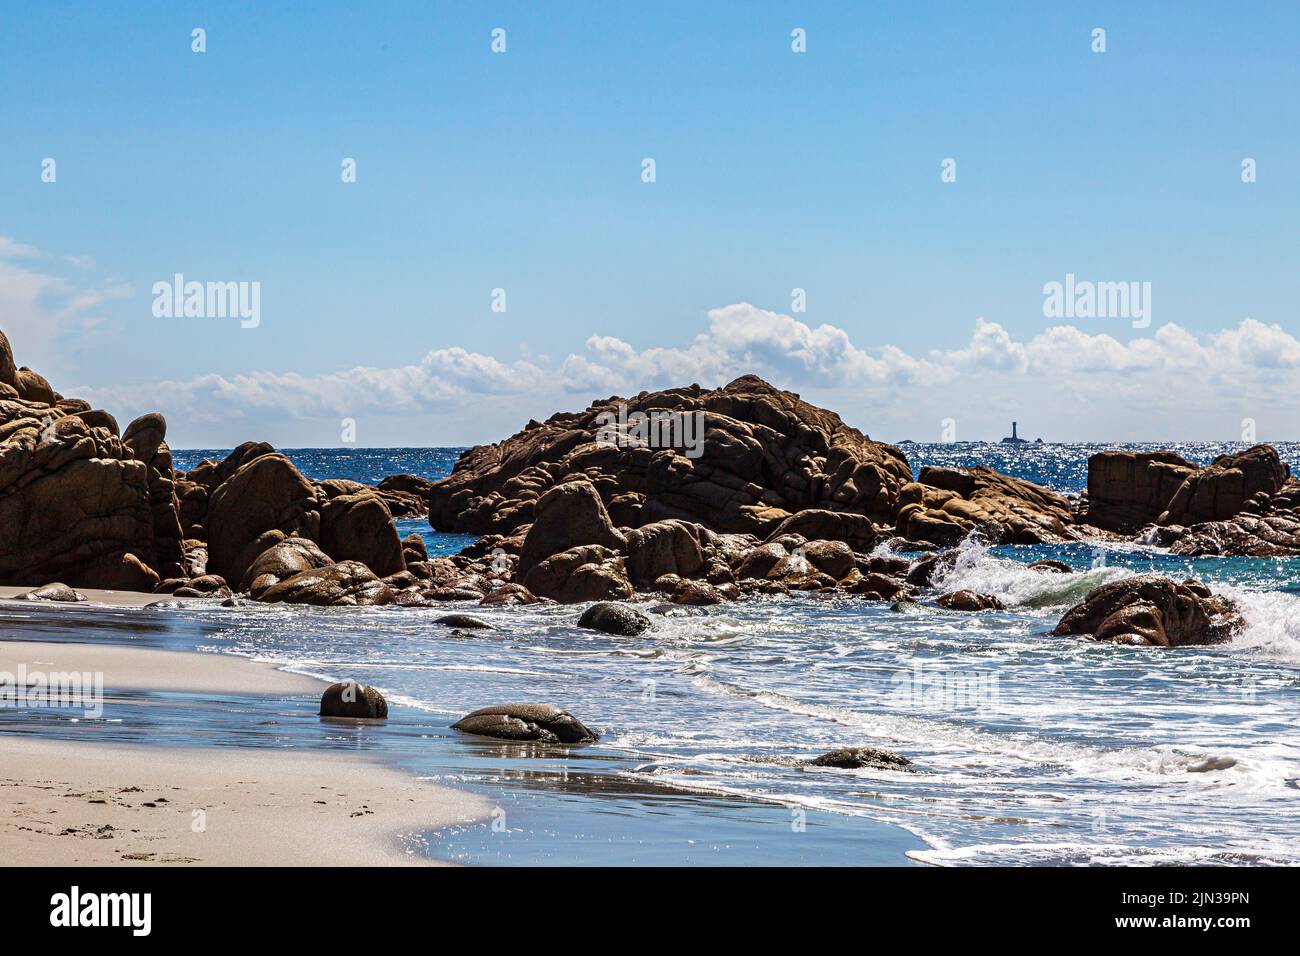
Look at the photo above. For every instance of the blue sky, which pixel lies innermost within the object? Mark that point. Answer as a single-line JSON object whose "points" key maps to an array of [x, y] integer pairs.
{"points": [[775, 170]]}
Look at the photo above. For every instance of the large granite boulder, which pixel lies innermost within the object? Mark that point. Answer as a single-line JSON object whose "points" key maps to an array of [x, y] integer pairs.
{"points": [[1127, 490], [613, 618], [359, 527], [567, 516], [265, 493], [945, 505], [765, 454], [1152, 610], [663, 547]]}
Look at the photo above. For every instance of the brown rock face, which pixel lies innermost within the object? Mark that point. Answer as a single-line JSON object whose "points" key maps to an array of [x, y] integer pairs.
{"points": [[568, 516], [664, 547], [969, 601], [1127, 490], [1155, 611], [266, 493], [1223, 487], [359, 527], [818, 524], [587, 573], [74, 503], [765, 454], [281, 560], [946, 504]]}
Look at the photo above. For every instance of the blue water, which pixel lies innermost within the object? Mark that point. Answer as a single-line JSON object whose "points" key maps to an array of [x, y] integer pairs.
{"points": [[1030, 749]]}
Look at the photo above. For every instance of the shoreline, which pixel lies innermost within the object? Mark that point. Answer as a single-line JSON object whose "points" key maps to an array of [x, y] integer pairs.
{"points": [[99, 803]]}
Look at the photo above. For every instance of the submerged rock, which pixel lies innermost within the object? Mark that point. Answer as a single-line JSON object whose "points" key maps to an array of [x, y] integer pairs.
{"points": [[351, 699], [463, 620], [854, 758], [1048, 566], [1154, 611], [614, 619], [526, 722]]}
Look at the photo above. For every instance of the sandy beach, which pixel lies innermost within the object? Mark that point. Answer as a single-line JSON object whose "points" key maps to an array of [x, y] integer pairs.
{"points": [[71, 803]]}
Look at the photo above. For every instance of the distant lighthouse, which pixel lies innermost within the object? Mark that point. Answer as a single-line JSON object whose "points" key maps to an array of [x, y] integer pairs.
{"points": [[1015, 438]]}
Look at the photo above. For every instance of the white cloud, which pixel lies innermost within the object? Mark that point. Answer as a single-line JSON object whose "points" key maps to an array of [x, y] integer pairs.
{"points": [[38, 306], [1069, 382]]}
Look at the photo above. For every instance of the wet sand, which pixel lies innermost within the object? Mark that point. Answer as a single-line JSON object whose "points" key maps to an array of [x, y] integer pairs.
{"points": [[70, 803]]}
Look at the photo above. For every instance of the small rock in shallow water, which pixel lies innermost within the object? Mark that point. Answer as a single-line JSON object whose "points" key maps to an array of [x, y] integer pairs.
{"points": [[853, 758], [53, 592], [463, 620], [969, 601], [614, 619], [1051, 567], [526, 722], [351, 699]]}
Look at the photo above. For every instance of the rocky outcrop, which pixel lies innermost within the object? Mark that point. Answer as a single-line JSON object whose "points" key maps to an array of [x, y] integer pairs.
{"points": [[354, 701], [765, 455], [567, 516], [663, 547], [1127, 490], [540, 722], [944, 505], [1153, 610], [588, 573], [1221, 489], [282, 558], [75, 503]]}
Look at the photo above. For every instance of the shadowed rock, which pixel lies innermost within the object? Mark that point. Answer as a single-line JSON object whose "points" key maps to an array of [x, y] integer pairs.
{"points": [[526, 722], [1049, 566], [614, 618], [353, 700]]}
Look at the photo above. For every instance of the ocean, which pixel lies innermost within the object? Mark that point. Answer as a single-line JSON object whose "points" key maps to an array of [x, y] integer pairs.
{"points": [[1028, 749]]}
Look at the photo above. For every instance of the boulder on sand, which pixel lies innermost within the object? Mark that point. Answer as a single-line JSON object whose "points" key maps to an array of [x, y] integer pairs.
{"points": [[1155, 611], [353, 700], [540, 722], [53, 592]]}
